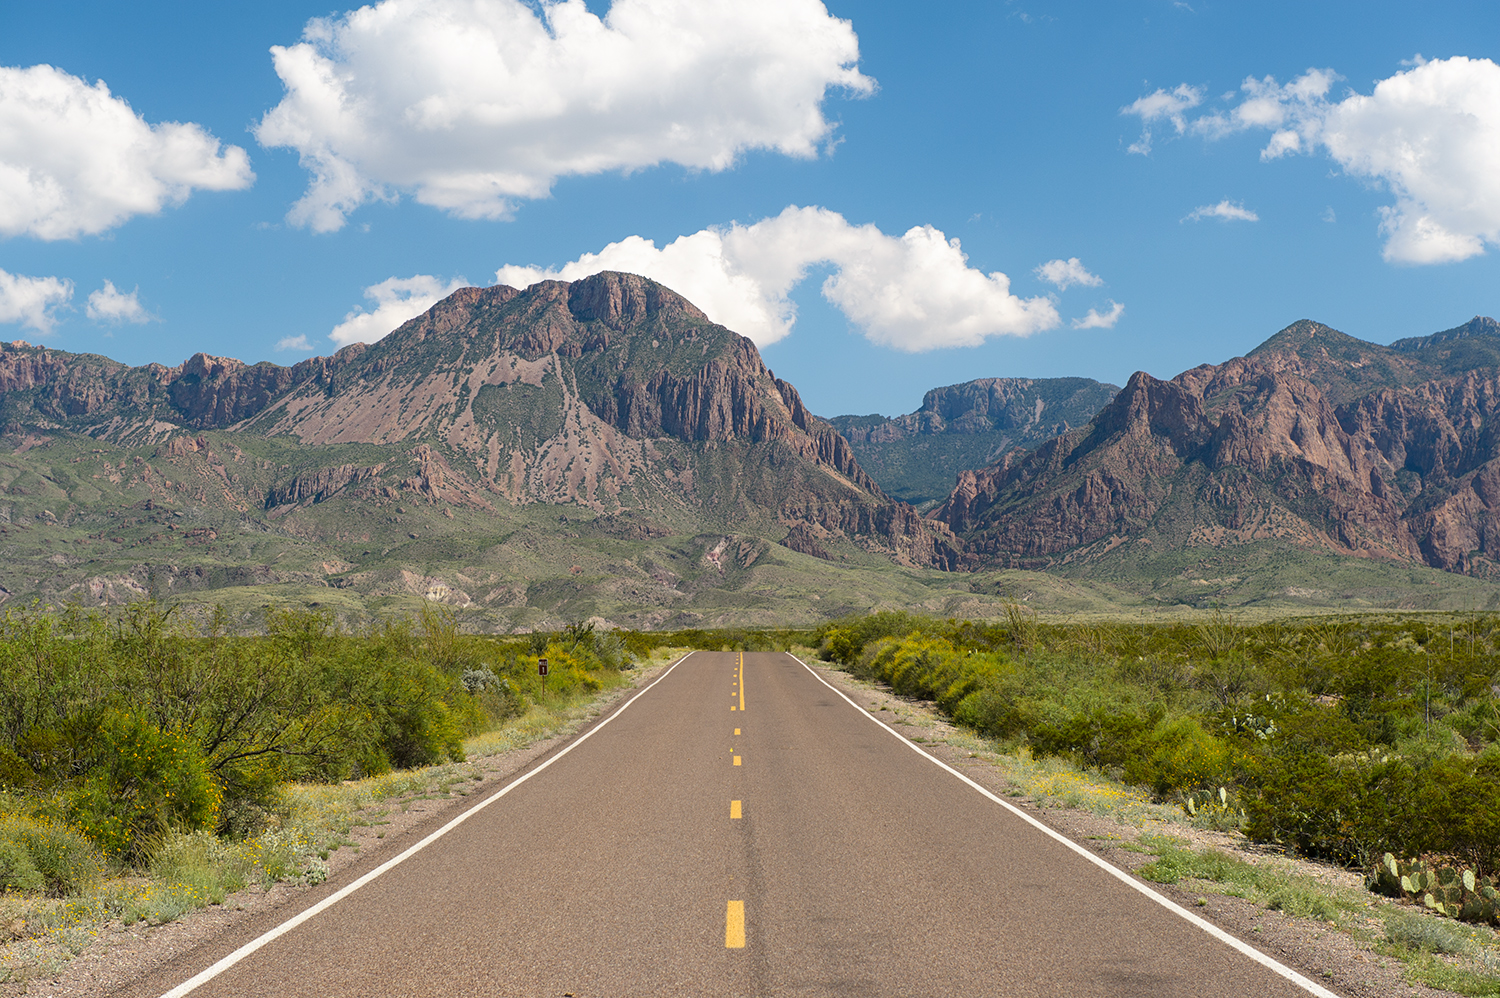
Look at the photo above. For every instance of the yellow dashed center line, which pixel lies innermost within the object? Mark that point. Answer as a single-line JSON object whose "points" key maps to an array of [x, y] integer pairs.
{"points": [[734, 809], [736, 730], [741, 677], [734, 925], [736, 760]]}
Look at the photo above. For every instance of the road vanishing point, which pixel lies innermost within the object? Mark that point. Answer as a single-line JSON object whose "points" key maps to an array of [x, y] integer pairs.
{"points": [[740, 828]]}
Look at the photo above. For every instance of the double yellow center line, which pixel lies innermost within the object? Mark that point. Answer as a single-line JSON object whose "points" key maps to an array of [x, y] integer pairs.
{"points": [[734, 912]]}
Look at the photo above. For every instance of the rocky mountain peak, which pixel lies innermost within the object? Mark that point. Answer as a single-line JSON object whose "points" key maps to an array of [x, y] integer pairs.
{"points": [[622, 300]]}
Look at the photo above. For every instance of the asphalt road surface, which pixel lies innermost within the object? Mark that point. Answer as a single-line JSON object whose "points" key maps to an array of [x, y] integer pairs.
{"points": [[738, 829]]}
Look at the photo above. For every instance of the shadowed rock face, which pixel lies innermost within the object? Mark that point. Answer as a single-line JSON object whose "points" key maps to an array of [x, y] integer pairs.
{"points": [[612, 392], [1315, 437]]}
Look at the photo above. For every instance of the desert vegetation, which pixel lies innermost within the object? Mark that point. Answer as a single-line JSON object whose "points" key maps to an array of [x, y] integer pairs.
{"points": [[1371, 742], [150, 764]]}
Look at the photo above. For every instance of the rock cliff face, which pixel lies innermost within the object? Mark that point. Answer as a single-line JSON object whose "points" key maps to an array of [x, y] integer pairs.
{"points": [[918, 456], [105, 398], [1315, 437]]}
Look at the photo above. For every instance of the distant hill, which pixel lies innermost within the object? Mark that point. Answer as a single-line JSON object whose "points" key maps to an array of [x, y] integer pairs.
{"points": [[917, 457], [1315, 440]]}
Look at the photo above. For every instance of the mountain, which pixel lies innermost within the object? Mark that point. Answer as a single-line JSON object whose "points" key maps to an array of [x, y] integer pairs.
{"points": [[610, 411], [1315, 440], [917, 457], [601, 450]]}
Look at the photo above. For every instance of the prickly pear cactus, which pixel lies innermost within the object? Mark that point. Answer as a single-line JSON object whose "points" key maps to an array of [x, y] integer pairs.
{"points": [[1452, 891]]}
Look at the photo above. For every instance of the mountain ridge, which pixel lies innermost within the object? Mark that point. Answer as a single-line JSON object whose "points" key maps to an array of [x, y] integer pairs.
{"points": [[1314, 437]]}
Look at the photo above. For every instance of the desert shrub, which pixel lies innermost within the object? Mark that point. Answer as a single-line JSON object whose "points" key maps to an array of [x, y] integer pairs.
{"points": [[144, 782], [1456, 811], [415, 726], [993, 710], [1353, 808], [931, 668], [64, 860], [17, 871], [1308, 802], [841, 645], [1179, 755]]}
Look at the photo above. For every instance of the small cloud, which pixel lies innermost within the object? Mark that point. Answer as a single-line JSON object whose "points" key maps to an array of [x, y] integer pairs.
{"points": [[1183, 6], [1066, 273], [1328, 214], [1224, 211], [1172, 105], [31, 301], [293, 343], [1096, 321], [110, 304]]}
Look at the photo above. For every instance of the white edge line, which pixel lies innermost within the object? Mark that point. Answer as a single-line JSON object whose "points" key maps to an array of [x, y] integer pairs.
{"points": [[1108, 867], [230, 960]]}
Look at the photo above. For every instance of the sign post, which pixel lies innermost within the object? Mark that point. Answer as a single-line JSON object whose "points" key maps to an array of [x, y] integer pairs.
{"points": [[541, 670]]}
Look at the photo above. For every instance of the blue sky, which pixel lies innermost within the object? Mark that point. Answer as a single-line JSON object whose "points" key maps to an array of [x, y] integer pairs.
{"points": [[1365, 194]]}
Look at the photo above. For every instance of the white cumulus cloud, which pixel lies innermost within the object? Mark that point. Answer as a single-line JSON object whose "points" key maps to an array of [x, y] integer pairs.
{"points": [[913, 292], [1093, 320], [76, 160], [1066, 273], [1171, 105], [30, 300], [1224, 211], [1429, 135], [295, 343], [477, 104], [110, 304], [396, 299]]}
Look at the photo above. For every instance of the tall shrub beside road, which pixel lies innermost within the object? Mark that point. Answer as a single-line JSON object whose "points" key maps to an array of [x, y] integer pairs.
{"points": [[1343, 738]]}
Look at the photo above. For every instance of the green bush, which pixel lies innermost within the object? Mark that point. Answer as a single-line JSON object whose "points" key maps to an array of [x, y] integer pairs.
{"points": [[1180, 756], [17, 871], [64, 860], [145, 782]]}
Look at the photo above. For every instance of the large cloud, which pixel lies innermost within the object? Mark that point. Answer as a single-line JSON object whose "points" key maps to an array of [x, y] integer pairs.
{"points": [[30, 300], [475, 104], [396, 300], [1429, 135], [913, 292], [76, 160]]}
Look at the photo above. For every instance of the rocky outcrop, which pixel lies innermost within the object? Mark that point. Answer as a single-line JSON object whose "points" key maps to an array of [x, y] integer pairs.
{"points": [[319, 485], [204, 392], [1254, 448]]}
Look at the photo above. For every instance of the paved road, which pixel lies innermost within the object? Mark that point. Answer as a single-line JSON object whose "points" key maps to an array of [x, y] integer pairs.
{"points": [[737, 830]]}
